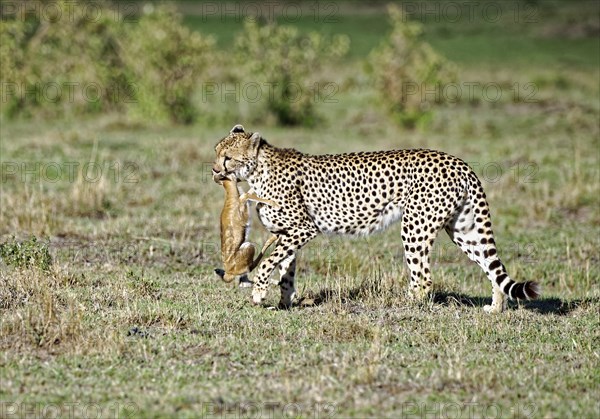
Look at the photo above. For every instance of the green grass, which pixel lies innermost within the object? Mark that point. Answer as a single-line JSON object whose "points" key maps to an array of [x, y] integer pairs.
{"points": [[540, 35], [498, 49], [130, 321]]}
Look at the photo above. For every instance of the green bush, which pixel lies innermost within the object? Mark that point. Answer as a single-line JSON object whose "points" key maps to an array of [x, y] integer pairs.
{"points": [[51, 65], [284, 63], [77, 64], [27, 254], [164, 60], [405, 69]]}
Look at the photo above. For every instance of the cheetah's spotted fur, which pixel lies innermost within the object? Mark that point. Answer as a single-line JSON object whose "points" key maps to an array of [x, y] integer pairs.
{"points": [[360, 193]]}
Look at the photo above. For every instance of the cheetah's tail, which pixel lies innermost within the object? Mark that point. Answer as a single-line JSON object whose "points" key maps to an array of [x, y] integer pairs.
{"points": [[529, 290]]}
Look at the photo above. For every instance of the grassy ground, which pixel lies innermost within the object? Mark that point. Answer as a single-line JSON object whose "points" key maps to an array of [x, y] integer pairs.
{"points": [[129, 321]]}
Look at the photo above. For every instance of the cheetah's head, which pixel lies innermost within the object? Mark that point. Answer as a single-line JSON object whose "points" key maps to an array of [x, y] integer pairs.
{"points": [[236, 154]]}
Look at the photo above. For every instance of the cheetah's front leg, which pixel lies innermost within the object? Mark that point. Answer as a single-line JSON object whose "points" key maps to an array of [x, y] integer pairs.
{"points": [[284, 256], [418, 235]]}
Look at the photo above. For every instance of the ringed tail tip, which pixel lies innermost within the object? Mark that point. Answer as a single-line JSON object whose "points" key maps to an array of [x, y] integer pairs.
{"points": [[525, 290]]}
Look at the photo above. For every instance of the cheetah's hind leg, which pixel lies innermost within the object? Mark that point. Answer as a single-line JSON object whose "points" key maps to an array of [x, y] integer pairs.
{"points": [[471, 230]]}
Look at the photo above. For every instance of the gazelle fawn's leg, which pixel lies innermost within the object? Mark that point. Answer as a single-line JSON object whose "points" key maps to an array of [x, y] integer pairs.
{"points": [[268, 243], [251, 196]]}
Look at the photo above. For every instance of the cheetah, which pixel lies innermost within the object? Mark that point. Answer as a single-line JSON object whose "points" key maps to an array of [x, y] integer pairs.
{"points": [[237, 253], [361, 193]]}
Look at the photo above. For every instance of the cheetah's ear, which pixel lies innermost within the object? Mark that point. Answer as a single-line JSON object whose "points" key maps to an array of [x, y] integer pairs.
{"points": [[255, 140], [237, 129]]}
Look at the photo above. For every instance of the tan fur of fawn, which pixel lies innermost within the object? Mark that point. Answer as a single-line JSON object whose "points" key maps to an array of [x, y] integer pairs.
{"points": [[237, 253]]}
